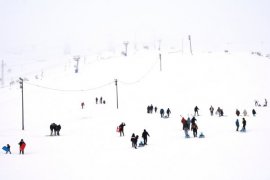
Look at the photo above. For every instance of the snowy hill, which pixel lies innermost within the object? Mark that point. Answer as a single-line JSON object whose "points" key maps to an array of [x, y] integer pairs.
{"points": [[89, 146]]}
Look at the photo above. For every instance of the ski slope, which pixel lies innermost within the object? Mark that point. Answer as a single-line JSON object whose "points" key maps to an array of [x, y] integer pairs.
{"points": [[89, 146]]}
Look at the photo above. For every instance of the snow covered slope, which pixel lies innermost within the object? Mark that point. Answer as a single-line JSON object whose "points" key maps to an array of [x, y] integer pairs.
{"points": [[90, 148]]}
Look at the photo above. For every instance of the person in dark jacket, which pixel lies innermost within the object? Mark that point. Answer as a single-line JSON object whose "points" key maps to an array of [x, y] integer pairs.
{"points": [[162, 113], [237, 112], [244, 123], [194, 128], [144, 136], [183, 121], [196, 111], [57, 129], [82, 104], [237, 124], [185, 128], [133, 140], [168, 112], [254, 112], [211, 110], [22, 146], [121, 128]]}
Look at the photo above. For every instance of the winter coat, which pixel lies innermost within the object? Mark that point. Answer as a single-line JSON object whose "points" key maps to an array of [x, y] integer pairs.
{"points": [[237, 123], [145, 134]]}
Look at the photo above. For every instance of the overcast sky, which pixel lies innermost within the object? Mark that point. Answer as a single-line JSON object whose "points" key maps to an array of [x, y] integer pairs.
{"points": [[211, 23]]}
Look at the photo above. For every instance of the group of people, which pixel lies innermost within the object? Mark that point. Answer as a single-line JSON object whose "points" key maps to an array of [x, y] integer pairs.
{"points": [[162, 113], [237, 112], [258, 104], [22, 145], [190, 124], [100, 100], [134, 139], [55, 129], [150, 109]]}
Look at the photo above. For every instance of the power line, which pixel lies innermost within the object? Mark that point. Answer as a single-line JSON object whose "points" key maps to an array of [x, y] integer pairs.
{"points": [[70, 90]]}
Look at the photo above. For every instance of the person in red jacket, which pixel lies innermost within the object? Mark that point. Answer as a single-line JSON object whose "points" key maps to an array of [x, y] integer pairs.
{"points": [[22, 146]]}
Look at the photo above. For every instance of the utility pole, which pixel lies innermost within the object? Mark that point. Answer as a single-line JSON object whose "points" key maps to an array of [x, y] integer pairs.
{"points": [[77, 59], [126, 47], [160, 62], [189, 38], [21, 86], [2, 73], [116, 93]]}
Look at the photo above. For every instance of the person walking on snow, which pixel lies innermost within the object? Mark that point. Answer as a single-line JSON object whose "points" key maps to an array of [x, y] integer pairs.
{"points": [[121, 128], [196, 111], [254, 112], [194, 128], [8, 149], [211, 110], [22, 146], [244, 123], [237, 124], [168, 112], [144, 136], [82, 105], [162, 113]]}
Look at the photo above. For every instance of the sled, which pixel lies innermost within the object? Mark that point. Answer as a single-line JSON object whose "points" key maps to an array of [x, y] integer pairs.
{"points": [[5, 148], [22, 147]]}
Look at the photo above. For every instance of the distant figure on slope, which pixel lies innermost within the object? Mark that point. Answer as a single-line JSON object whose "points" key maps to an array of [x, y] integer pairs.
{"points": [[100, 100], [237, 112], [265, 103], [22, 145], [245, 112], [168, 112], [186, 128], [162, 113], [194, 128], [121, 128], [144, 136], [256, 103], [57, 129], [211, 110], [184, 122], [53, 128], [82, 105], [133, 140], [155, 109], [196, 111], [237, 124], [96, 100], [253, 112], [188, 123], [193, 120], [7, 149], [244, 123]]}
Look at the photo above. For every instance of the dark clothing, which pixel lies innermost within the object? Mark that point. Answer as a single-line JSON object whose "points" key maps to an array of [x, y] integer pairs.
{"points": [[237, 112], [253, 112], [144, 136], [162, 113], [8, 149], [196, 111], [121, 129], [168, 112], [194, 128], [237, 125], [134, 140], [244, 122], [211, 110]]}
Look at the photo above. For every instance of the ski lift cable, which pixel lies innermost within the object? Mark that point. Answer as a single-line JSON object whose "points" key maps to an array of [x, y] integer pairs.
{"points": [[70, 90], [142, 77]]}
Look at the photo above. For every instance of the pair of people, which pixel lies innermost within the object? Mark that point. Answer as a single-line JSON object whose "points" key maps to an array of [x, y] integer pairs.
{"points": [[134, 139], [244, 123], [22, 145]]}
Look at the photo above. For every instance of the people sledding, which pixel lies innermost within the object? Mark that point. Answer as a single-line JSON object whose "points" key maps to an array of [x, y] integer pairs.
{"points": [[121, 128]]}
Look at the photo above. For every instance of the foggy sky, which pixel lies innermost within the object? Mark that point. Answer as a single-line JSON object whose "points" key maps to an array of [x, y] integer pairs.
{"points": [[102, 23]]}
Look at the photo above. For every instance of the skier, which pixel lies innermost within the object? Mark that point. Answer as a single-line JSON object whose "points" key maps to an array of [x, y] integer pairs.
{"points": [[144, 136], [211, 110], [254, 112], [121, 129], [22, 146], [168, 112], [244, 123], [96, 100], [194, 128], [196, 111], [162, 113], [237, 124]]}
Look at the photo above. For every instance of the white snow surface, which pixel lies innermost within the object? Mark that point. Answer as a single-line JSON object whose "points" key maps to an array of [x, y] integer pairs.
{"points": [[89, 146]]}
